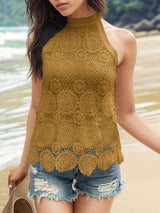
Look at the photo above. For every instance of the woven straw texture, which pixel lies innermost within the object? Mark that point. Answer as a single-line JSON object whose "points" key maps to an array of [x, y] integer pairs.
{"points": [[18, 201]]}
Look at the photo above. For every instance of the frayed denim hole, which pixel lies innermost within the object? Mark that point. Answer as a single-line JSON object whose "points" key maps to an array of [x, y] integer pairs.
{"points": [[42, 185], [33, 169], [109, 186], [121, 186], [109, 189], [74, 183]]}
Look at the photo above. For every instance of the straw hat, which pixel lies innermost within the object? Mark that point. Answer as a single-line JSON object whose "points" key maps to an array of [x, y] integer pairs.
{"points": [[18, 201]]}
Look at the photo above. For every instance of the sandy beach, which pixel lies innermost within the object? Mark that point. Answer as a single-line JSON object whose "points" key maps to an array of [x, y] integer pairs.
{"points": [[141, 165], [141, 171]]}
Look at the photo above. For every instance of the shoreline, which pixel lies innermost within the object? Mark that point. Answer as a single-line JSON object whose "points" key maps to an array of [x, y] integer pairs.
{"points": [[145, 33]]}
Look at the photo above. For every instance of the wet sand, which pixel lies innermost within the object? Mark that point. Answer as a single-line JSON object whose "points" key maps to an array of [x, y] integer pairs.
{"points": [[141, 165]]}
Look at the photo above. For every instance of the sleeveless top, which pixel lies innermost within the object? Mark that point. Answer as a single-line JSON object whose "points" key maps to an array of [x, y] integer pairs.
{"points": [[76, 122]]}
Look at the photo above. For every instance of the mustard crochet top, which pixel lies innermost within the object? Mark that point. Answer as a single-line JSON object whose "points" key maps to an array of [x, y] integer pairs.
{"points": [[76, 121]]}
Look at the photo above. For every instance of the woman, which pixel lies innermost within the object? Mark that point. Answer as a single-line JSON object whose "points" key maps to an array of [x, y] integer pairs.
{"points": [[72, 142]]}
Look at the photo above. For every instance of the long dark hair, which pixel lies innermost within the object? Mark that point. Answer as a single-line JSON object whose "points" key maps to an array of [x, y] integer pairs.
{"points": [[44, 22]]}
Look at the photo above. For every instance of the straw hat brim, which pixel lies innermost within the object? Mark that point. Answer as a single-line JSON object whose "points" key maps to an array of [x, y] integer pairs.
{"points": [[18, 201]]}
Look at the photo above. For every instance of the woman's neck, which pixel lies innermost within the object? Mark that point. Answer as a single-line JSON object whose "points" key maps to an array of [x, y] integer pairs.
{"points": [[83, 11]]}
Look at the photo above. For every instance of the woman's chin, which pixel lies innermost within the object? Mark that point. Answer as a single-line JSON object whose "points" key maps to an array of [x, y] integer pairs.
{"points": [[65, 13]]}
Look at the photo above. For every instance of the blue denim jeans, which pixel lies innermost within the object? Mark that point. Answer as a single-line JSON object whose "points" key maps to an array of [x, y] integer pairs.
{"points": [[66, 186]]}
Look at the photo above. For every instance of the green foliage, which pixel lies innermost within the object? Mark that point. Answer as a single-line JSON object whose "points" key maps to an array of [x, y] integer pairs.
{"points": [[133, 5], [139, 8], [13, 12]]}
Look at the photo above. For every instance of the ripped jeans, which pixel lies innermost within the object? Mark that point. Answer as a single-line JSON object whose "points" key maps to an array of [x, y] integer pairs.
{"points": [[66, 186]]}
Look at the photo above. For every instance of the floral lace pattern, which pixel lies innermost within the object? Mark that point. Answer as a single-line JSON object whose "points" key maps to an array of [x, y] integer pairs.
{"points": [[76, 121]]}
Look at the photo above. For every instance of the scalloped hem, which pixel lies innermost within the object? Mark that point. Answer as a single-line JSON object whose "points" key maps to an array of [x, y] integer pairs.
{"points": [[74, 160]]}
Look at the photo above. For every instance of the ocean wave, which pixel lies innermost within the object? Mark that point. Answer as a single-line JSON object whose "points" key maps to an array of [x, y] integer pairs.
{"points": [[12, 42], [13, 33], [2, 41], [7, 156], [13, 36], [7, 53]]}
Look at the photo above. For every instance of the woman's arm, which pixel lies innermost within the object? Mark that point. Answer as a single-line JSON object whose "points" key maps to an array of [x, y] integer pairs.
{"points": [[16, 175], [125, 103]]}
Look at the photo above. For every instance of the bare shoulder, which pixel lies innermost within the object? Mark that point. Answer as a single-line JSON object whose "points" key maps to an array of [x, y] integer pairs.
{"points": [[123, 35], [123, 40]]}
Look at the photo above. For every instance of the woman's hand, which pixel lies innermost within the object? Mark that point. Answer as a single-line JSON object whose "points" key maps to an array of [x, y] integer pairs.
{"points": [[16, 175]]}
